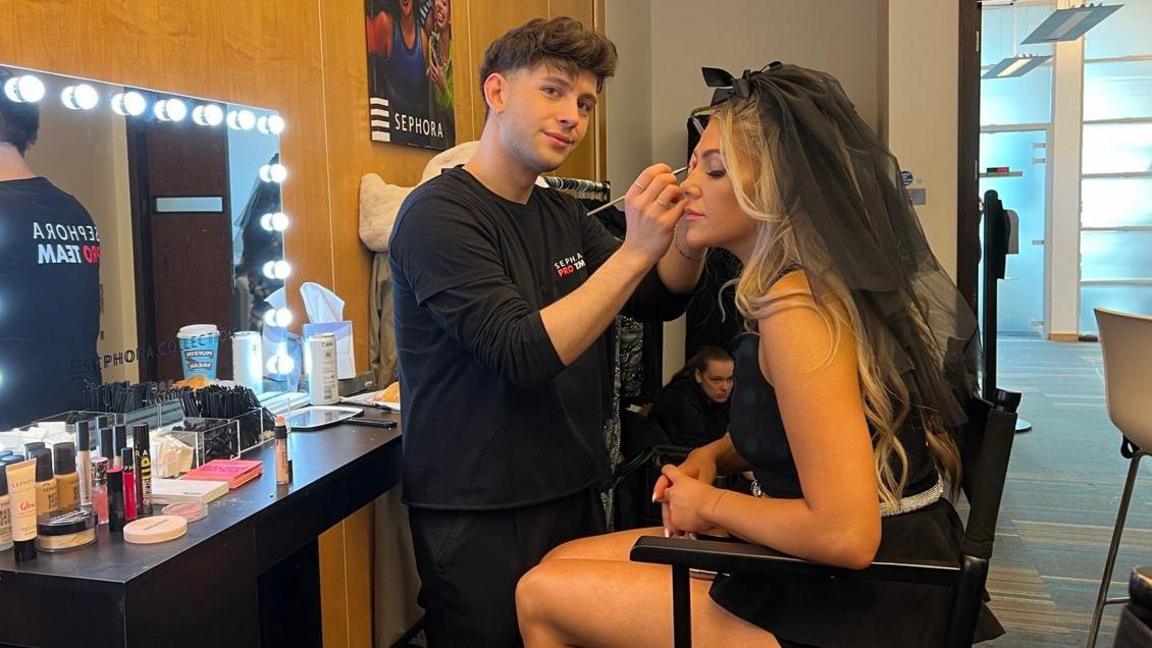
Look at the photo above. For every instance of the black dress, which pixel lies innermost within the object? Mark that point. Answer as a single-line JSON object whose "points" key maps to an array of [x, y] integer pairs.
{"points": [[837, 612]]}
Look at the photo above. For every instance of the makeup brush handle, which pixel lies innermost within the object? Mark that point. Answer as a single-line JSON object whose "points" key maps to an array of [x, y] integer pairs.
{"points": [[607, 205]]}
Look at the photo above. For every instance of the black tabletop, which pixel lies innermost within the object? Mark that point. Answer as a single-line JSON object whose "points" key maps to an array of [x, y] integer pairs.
{"points": [[318, 457]]}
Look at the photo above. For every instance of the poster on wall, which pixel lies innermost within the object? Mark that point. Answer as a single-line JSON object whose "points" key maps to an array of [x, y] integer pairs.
{"points": [[410, 72]]}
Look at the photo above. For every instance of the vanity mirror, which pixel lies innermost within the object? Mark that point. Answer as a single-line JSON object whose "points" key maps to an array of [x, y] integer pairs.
{"points": [[131, 213]]}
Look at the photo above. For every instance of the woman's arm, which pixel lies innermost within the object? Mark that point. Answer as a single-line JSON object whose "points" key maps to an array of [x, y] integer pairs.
{"points": [[810, 360]]}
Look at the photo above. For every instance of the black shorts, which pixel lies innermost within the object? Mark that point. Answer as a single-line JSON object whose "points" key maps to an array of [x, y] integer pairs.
{"points": [[470, 561]]}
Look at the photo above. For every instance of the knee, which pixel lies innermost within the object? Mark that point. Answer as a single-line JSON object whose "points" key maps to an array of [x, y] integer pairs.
{"points": [[533, 592]]}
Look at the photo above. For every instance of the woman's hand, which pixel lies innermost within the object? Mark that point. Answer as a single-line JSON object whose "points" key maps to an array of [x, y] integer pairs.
{"points": [[687, 503], [699, 465]]}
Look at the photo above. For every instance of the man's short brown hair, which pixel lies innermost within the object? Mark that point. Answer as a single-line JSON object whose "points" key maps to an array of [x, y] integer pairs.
{"points": [[19, 122], [562, 43]]}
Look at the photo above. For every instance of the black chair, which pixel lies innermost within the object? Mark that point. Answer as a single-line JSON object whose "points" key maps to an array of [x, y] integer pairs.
{"points": [[985, 445], [1135, 628]]}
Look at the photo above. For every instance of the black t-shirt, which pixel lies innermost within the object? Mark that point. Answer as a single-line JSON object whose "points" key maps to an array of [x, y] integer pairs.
{"points": [[49, 301], [492, 417]]}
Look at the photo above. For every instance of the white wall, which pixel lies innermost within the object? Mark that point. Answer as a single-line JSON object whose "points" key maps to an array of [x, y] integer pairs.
{"points": [[658, 81], [921, 118]]}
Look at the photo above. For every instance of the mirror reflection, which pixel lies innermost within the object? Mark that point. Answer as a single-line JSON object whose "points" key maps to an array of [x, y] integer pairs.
{"points": [[127, 215]]}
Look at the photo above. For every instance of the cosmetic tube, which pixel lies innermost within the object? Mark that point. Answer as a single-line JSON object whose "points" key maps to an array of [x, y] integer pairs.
{"points": [[22, 508], [119, 442], [280, 433], [84, 462], [32, 445], [5, 514], [67, 479], [116, 519], [129, 478], [142, 460], [47, 497], [106, 450], [100, 489]]}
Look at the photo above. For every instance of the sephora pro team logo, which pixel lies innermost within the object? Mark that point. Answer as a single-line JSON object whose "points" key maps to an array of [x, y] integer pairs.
{"points": [[568, 265]]}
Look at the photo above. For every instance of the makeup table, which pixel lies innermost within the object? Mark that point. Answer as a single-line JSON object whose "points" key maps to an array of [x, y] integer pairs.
{"points": [[246, 575]]}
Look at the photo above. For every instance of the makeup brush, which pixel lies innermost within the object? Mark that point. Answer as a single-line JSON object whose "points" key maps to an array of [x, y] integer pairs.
{"points": [[607, 205]]}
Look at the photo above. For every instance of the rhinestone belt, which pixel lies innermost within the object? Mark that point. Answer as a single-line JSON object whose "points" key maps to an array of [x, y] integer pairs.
{"points": [[906, 504]]}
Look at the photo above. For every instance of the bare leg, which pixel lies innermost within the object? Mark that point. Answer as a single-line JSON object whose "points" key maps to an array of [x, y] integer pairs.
{"points": [[610, 546], [606, 603]]}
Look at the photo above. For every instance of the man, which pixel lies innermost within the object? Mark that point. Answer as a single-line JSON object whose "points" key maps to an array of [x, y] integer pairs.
{"points": [[49, 282], [502, 292]]}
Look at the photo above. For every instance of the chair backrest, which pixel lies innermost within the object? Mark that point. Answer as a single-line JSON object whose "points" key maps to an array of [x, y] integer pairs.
{"points": [[985, 448], [1126, 342]]}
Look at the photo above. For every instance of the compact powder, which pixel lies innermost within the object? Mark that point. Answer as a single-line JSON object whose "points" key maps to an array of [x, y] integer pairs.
{"points": [[63, 532], [158, 528]]}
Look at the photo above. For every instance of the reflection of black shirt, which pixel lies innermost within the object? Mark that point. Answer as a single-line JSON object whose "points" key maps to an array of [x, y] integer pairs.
{"points": [[687, 415], [49, 301], [492, 418]]}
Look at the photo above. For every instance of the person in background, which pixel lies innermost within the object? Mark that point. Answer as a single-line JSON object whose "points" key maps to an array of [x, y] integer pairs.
{"points": [[49, 282], [503, 291], [692, 409]]}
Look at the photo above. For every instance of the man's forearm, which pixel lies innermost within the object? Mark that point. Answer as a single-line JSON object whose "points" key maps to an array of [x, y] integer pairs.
{"points": [[574, 322]]}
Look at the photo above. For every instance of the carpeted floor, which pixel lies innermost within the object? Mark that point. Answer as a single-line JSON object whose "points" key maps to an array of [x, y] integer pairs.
{"points": [[1060, 501]]}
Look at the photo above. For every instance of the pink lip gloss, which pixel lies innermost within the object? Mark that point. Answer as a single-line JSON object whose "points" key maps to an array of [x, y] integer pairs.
{"points": [[129, 484], [100, 488]]}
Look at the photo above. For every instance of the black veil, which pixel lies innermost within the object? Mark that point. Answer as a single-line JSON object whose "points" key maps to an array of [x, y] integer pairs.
{"points": [[853, 221]]}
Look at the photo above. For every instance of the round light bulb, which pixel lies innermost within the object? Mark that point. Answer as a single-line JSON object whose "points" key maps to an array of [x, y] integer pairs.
{"points": [[283, 317], [233, 119], [246, 119], [284, 363], [130, 103], [172, 110], [279, 221], [276, 124], [24, 89], [208, 115], [266, 173], [266, 222], [80, 97], [270, 269], [278, 173], [282, 269]]}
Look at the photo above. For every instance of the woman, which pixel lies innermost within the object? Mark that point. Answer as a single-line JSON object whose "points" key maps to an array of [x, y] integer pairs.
{"points": [[847, 385], [692, 409]]}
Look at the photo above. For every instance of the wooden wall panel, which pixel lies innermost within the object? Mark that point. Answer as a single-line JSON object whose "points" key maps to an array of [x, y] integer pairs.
{"points": [[305, 58]]}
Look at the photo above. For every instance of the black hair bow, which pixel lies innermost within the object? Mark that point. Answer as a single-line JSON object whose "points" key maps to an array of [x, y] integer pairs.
{"points": [[728, 86]]}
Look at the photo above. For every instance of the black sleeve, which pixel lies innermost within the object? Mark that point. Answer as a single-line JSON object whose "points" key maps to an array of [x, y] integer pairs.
{"points": [[651, 300], [681, 419], [452, 265]]}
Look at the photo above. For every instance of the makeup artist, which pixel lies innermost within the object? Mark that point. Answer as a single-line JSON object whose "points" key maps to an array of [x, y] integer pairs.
{"points": [[49, 282], [503, 291]]}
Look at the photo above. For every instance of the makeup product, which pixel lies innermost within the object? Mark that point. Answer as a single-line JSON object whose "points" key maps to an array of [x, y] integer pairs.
{"points": [[190, 511], [280, 434], [84, 462], [142, 460], [5, 514], [22, 508], [68, 531], [320, 361], [116, 519], [158, 528], [47, 497], [6, 453], [119, 442], [236, 472], [100, 488], [168, 491], [67, 479], [32, 445], [106, 445], [129, 481]]}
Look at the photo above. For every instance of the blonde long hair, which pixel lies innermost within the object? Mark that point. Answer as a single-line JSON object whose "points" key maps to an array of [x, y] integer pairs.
{"points": [[751, 148]]}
